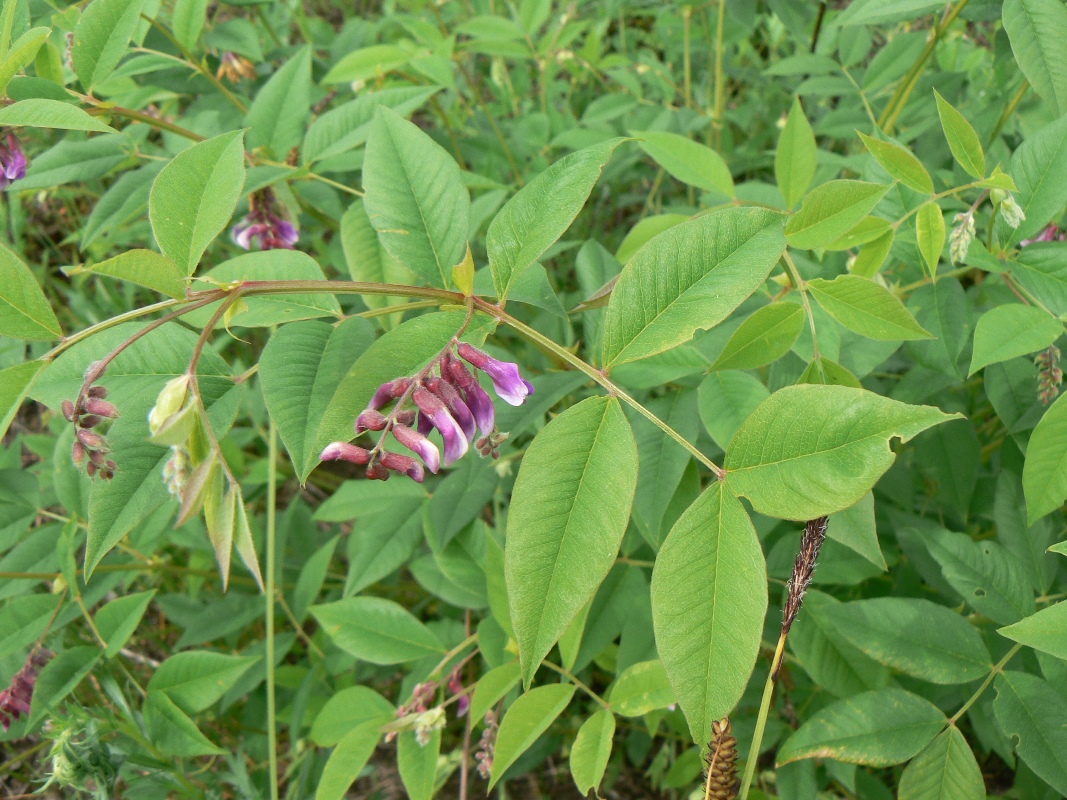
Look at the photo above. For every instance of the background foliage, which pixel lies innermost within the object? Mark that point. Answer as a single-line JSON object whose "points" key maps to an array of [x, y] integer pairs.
{"points": [[775, 271]]}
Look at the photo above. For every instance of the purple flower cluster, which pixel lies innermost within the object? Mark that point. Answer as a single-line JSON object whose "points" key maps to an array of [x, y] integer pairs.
{"points": [[1051, 233], [87, 412], [13, 162], [266, 223], [15, 699], [452, 401]]}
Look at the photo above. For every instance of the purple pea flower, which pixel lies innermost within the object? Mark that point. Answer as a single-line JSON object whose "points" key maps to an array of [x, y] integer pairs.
{"points": [[389, 391], [434, 409], [418, 443], [477, 399], [266, 223], [459, 410], [507, 381], [13, 162]]}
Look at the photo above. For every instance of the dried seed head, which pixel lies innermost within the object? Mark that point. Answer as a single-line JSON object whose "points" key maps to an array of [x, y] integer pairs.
{"points": [[803, 569], [721, 762]]}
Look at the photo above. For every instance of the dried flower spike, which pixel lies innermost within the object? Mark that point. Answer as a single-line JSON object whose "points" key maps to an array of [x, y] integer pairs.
{"points": [[1050, 376], [16, 698], [721, 762], [803, 569]]}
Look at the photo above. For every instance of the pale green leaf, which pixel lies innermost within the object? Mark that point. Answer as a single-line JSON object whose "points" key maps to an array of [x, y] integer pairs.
{"points": [[1046, 630], [1012, 330], [277, 117], [690, 162], [641, 688], [1031, 712], [100, 38], [368, 62], [197, 679], [930, 235], [417, 763], [145, 268], [688, 278], [796, 158], [24, 310], [348, 758], [591, 750], [708, 635], [1037, 30], [568, 514], [194, 196], [39, 112], [117, 620], [526, 719], [878, 729], [724, 401], [900, 163], [492, 687], [812, 450], [22, 53], [863, 306], [764, 337], [15, 383], [964, 143], [347, 710], [831, 210], [376, 630], [1039, 167]]}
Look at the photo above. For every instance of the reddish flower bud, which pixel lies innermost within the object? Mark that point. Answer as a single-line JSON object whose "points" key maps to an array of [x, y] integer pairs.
{"points": [[405, 464], [89, 421], [370, 420], [388, 391], [68, 410], [377, 472], [92, 441], [97, 391], [102, 408], [78, 454], [405, 417], [343, 451], [417, 442]]}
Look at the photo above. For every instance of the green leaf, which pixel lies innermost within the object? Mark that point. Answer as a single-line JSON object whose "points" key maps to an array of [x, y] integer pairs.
{"points": [[44, 113], [714, 262], [117, 620], [878, 729], [415, 198], [1039, 167], [532, 220], [189, 17], [59, 678], [194, 196], [276, 118], [300, 369], [641, 688], [876, 12], [711, 561], [591, 750], [900, 163], [872, 255], [986, 574], [1031, 713], [945, 770], [100, 39], [24, 311], [866, 230], [346, 127], [724, 401], [402, 351], [368, 62], [855, 528], [1009, 331], [568, 514], [369, 262], [964, 143], [376, 630], [1037, 30], [24, 619], [644, 231], [526, 719], [145, 268], [917, 637], [417, 763], [688, 161], [22, 53], [492, 687], [764, 337], [797, 156], [348, 759], [1046, 630], [197, 679], [1045, 470], [861, 305], [15, 383], [830, 211], [171, 730], [930, 235], [347, 710], [812, 450]]}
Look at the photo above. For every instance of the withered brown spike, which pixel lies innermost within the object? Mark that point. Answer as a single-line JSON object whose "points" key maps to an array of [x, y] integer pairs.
{"points": [[803, 569], [721, 782]]}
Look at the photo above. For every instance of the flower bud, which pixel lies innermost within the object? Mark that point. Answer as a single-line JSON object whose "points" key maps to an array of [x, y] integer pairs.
{"points": [[92, 441], [433, 408], [447, 392], [102, 408], [370, 420], [405, 464], [377, 472], [1012, 212], [68, 410], [169, 402], [78, 454], [389, 391], [343, 451], [418, 443], [97, 391]]}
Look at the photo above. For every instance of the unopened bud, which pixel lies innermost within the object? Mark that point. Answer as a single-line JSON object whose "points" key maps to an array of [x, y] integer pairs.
{"points": [[1012, 212], [78, 454], [370, 420], [405, 464], [169, 402], [101, 408], [68, 410], [343, 451], [92, 441], [97, 391], [376, 472]]}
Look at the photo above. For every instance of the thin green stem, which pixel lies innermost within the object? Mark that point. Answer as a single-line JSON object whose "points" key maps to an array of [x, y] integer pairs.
{"points": [[69, 341], [798, 281], [687, 60], [719, 103], [455, 651], [569, 676], [190, 59], [268, 594], [600, 377], [761, 720], [1008, 111], [997, 669]]}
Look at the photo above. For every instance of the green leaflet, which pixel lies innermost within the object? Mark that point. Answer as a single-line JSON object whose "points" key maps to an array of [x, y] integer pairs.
{"points": [[101, 37], [709, 597], [1039, 167], [831, 210], [1031, 712], [1037, 30], [877, 728], [796, 157], [1046, 630], [526, 719], [764, 337], [964, 143], [415, 198], [532, 220], [145, 268], [1008, 331], [276, 118], [301, 368], [194, 196], [900, 163], [789, 469], [863, 306], [376, 630], [591, 750], [688, 161], [690, 277], [568, 514], [945, 770], [24, 310]]}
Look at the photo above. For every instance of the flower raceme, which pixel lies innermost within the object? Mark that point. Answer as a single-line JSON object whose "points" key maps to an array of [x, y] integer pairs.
{"points": [[446, 397], [265, 223], [15, 699], [13, 162]]}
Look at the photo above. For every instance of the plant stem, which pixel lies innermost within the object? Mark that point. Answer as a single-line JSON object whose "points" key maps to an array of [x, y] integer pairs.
{"points": [[687, 65], [999, 668], [798, 281], [719, 97], [268, 595], [597, 375], [567, 674], [69, 341], [1008, 111], [761, 720]]}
